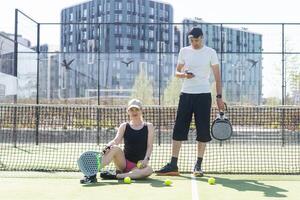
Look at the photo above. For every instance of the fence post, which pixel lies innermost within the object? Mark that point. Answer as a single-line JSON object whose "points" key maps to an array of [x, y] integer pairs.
{"points": [[16, 75]]}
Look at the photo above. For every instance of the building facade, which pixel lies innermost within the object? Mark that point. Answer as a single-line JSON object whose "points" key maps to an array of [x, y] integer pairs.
{"points": [[123, 38]]}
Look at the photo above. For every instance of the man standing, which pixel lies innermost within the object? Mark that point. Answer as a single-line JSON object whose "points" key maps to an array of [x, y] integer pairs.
{"points": [[194, 65]]}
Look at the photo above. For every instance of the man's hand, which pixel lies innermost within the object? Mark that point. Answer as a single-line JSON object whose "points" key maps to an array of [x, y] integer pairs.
{"points": [[189, 74], [220, 104]]}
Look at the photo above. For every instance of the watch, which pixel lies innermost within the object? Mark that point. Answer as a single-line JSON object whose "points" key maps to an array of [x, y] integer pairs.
{"points": [[219, 96]]}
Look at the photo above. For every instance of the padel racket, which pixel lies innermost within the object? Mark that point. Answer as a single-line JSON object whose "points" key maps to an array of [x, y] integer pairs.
{"points": [[221, 128], [89, 162]]}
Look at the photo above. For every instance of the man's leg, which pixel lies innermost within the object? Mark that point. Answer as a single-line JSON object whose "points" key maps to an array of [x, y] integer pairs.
{"points": [[176, 145], [200, 153], [202, 109], [201, 149], [180, 133]]}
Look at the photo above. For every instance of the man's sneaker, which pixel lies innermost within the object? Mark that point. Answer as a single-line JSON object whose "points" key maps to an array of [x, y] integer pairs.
{"points": [[197, 171], [88, 180], [168, 170], [108, 175]]}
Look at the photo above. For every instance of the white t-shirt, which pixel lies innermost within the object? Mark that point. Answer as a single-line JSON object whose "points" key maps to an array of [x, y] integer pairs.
{"points": [[197, 61]]}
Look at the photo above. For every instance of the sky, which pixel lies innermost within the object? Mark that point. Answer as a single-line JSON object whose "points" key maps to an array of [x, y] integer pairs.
{"points": [[218, 11], [211, 11]]}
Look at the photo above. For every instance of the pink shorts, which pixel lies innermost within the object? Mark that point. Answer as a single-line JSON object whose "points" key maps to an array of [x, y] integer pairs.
{"points": [[129, 166]]}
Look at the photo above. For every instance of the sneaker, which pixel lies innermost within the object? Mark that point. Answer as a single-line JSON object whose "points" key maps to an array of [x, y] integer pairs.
{"points": [[88, 180], [168, 170], [197, 171], [108, 175]]}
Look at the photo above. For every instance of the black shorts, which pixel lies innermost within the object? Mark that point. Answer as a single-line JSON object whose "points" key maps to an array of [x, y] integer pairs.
{"points": [[200, 106]]}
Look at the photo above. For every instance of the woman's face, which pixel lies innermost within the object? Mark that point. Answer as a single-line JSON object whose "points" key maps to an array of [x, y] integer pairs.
{"points": [[134, 113]]}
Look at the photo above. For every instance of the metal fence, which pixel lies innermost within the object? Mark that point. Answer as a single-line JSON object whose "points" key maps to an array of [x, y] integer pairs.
{"points": [[106, 63]]}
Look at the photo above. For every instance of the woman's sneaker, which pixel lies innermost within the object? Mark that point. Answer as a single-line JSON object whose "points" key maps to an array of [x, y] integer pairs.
{"points": [[88, 180], [108, 175]]}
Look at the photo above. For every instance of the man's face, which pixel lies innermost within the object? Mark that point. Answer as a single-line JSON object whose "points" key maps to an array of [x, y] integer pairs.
{"points": [[196, 42]]}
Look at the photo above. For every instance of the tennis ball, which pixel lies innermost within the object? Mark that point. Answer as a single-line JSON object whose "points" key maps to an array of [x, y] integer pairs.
{"points": [[139, 165], [168, 182], [127, 180], [211, 181]]}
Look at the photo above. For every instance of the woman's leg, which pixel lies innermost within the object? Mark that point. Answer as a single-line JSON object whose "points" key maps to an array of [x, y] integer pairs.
{"points": [[137, 173], [116, 155]]}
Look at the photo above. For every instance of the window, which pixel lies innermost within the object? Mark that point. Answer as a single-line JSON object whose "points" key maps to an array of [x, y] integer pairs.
{"points": [[118, 6], [224, 41], [143, 66], [151, 34], [151, 11], [118, 17], [142, 9], [117, 29], [166, 36], [91, 55], [84, 12], [128, 18], [71, 16], [136, 31], [151, 45], [107, 6], [128, 30], [129, 6], [122, 41]]}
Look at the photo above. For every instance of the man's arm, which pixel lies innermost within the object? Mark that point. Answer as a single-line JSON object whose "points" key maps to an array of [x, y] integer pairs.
{"points": [[218, 80], [180, 74]]}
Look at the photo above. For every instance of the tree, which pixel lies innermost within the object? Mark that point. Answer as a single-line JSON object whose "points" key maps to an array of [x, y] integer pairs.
{"points": [[292, 73], [171, 93], [271, 101], [143, 89]]}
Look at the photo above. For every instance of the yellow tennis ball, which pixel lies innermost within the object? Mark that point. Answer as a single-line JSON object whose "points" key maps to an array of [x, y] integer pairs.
{"points": [[127, 180], [139, 165], [168, 182], [211, 181]]}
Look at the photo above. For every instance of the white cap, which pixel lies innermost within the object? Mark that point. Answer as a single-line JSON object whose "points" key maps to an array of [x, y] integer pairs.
{"points": [[134, 103]]}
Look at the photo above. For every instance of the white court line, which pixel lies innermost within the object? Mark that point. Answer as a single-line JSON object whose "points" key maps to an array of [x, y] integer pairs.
{"points": [[195, 194]]}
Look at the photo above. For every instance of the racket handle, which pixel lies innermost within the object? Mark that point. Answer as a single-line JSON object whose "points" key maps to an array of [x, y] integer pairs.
{"points": [[106, 148]]}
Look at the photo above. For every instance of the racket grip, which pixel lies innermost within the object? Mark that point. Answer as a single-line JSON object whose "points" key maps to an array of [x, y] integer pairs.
{"points": [[105, 149]]}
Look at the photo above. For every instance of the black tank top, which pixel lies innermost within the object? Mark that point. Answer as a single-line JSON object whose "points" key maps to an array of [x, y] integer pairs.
{"points": [[135, 143]]}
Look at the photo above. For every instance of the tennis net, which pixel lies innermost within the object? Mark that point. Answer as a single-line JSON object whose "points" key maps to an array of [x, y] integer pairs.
{"points": [[266, 140]]}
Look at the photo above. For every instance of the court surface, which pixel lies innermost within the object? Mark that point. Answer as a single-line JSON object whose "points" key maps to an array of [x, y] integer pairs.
{"points": [[41, 185]]}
